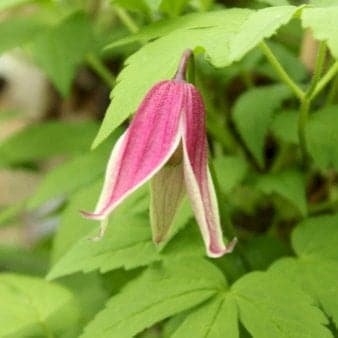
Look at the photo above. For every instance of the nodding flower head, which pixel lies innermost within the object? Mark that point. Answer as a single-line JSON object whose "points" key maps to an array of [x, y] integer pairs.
{"points": [[166, 143]]}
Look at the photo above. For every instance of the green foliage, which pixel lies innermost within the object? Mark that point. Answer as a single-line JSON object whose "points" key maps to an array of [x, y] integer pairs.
{"points": [[58, 55], [288, 184], [18, 31], [174, 288], [253, 114], [316, 267], [322, 23], [273, 140], [46, 140], [239, 31], [322, 136], [33, 307]]}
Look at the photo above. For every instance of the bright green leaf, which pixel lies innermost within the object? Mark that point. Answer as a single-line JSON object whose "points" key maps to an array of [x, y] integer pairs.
{"points": [[15, 32], [284, 126], [271, 306], [323, 23], [322, 137], [175, 286], [6, 4], [127, 242], [70, 176], [239, 31], [32, 307], [173, 7], [230, 171], [61, 49], [253, 115], [290, 184], [315, 241], [46, 140]]}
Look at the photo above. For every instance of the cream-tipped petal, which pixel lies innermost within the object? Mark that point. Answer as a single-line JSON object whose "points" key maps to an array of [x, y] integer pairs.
{"points": [[149, 142], [198, 180]]}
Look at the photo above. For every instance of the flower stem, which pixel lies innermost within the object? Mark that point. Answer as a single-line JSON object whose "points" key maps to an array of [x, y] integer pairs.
{"points": [[100, 69], [325, 80], [284, 76], [126, 19], [182, 68], [306, 101]]}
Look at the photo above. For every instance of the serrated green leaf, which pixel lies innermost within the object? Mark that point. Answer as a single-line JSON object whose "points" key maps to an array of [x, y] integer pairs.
{"points": [[72, 175], [322, 22], [266, 304], [315, 241], [271, 306], [284, 126], [289, 184], [45, 140], [230, 171], [253, 113], [127, 242], [57, 53], [216, 319], [175, 286], [322, 137], [32, 307], [239, 30], [15, 32]]}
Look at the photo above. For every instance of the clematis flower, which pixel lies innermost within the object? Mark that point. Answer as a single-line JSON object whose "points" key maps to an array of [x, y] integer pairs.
{"points": [[166, 143]]}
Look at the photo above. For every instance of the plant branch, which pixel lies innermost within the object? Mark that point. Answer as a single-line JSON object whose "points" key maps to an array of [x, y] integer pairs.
{"points": [[100, 69], [126, 19], [325, 80], [284, 76]]}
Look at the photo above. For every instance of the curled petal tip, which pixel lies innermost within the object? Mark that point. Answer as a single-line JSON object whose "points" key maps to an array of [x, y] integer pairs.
{"points": [[214, 253], [91, 215]]}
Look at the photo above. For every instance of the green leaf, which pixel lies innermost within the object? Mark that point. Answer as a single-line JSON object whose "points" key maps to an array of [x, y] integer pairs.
{"points": [[175, 286], [239, 30], [173, 7], [216, 319], [45, 140], [6, 4], [134, 5], [284, 126], [276, 2], [230, 171], [263, 250], [253, 113], [72, 175], [322, 22], [322, 137], [15, 32], [32, 307], [72, 226], [286, 312], [61, 49], [289, 184], [127, 242], [315, 269]]}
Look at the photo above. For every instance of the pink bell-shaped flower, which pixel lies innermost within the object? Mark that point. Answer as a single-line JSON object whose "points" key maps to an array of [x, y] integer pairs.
{"points": [[166, 143]]}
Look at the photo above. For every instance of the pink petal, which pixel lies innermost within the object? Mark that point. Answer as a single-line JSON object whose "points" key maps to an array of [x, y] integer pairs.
{"points": [[144, 148], [198, 180]]}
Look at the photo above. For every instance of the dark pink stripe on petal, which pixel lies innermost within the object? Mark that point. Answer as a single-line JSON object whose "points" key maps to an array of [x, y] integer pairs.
{"points": [[199, 184], [150, 140]]}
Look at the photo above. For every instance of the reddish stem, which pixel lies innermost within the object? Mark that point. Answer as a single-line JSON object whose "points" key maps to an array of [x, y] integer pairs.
{"points": [[182, 68]]}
